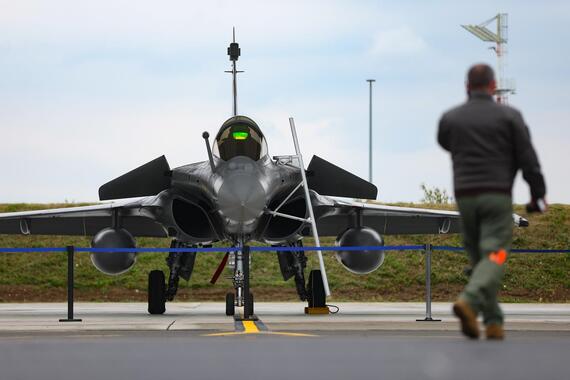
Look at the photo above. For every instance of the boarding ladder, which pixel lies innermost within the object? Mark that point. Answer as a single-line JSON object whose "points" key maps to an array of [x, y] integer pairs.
{"points": [[311, 219]]}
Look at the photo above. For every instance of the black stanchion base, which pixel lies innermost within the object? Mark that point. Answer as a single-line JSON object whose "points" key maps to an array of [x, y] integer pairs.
{"points": [[71, 320], [428, 320]]}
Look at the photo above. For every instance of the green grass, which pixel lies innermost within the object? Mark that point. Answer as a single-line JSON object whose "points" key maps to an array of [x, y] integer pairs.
{"points": [[529, 278]]}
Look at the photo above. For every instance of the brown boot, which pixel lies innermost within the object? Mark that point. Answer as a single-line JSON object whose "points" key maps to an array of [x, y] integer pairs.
{"points": [[495, 331], [468, 318]]}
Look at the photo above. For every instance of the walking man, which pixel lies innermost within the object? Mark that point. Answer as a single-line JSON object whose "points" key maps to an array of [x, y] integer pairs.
{"points": [[489, 143]]}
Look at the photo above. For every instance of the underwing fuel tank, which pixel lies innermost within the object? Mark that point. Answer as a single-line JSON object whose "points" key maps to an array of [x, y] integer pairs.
{"points": [[360, 262], [113, 263]]}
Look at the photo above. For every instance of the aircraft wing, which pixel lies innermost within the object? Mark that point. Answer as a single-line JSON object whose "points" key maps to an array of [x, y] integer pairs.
{"points": [[334, 216], [135, 216]]}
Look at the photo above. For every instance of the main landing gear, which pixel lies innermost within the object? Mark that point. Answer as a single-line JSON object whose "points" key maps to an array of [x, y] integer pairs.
{"points": [[292, 264], [156, 292], [181, 264], [317, 298]]}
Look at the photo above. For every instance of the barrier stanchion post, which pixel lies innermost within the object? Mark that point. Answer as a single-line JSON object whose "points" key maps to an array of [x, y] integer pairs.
{"points": [[428, 317], [246, 295], [70, 284]]}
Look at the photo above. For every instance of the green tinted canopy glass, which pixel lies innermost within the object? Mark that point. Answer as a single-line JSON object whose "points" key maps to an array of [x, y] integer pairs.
{"points": [[240, 135], [240, 139]]}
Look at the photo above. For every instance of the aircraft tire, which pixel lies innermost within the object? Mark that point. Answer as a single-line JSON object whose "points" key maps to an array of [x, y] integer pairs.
{"points": [[156, 292], [316, 290], [248, 312], [230, 304]]}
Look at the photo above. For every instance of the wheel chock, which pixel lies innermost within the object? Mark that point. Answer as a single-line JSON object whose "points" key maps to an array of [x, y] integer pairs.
{"points": [[317, 310], [239, 318]]}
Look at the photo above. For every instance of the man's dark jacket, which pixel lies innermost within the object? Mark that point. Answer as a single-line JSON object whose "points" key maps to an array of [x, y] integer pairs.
{"points": [[489, 142]]}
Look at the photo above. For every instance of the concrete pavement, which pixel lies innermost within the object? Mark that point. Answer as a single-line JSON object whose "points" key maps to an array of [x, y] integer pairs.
{"points": [[276, 316], [197, 341]]}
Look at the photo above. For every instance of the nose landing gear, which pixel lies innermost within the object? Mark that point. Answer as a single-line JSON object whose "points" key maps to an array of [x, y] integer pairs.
{"points": [[243, 297]]}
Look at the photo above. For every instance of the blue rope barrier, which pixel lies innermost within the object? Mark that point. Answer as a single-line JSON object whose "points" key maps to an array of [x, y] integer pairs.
{"points": [[220, 249], [268, 249], [515, 250], [446, 248], [541, 250], [14, 250], [336, 248], [146, 250]]}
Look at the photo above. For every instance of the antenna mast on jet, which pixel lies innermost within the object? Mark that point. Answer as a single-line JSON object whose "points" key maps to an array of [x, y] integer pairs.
{"points": [[234, 52]]}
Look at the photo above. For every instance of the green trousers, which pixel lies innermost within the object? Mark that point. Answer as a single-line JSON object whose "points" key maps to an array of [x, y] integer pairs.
{"points": [[487, 235]]}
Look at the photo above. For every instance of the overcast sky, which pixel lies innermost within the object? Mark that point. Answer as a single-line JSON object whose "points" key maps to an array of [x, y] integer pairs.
{"points": [[90, 90]]}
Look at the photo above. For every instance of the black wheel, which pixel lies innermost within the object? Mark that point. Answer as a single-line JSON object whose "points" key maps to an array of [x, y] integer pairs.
{"points": [[316, 290], [156, 292], [230, 304], [248, 307]]}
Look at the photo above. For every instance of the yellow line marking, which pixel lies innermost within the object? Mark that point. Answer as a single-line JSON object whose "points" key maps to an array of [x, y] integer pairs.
{"points": [[250, 327], [261, 333]]}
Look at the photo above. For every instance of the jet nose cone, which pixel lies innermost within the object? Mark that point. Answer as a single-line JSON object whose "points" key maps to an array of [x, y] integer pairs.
{"points": [[241, 197]]}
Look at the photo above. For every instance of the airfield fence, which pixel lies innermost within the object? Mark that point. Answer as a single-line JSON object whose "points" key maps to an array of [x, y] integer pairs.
{"points": [[427, 249]]}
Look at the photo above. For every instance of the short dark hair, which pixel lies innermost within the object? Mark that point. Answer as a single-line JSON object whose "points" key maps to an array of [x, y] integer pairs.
{"points": [[480, 75]]}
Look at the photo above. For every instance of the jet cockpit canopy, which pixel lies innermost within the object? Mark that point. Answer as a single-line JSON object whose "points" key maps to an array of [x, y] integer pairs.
{"points": [[240, 136]]}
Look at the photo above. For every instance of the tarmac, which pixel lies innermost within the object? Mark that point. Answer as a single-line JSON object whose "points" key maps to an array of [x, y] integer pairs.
{"points": [[197, 341], [210, 316]]}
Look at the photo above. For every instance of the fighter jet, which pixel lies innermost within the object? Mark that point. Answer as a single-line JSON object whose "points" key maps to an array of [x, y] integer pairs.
{"points": [[240, 194]]}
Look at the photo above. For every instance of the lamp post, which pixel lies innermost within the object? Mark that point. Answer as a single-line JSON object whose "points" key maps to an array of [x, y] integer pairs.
{"points": [[370, 81]]}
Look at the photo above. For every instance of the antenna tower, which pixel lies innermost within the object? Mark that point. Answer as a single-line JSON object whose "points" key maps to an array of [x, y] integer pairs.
{"points": [[500, 38]]}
